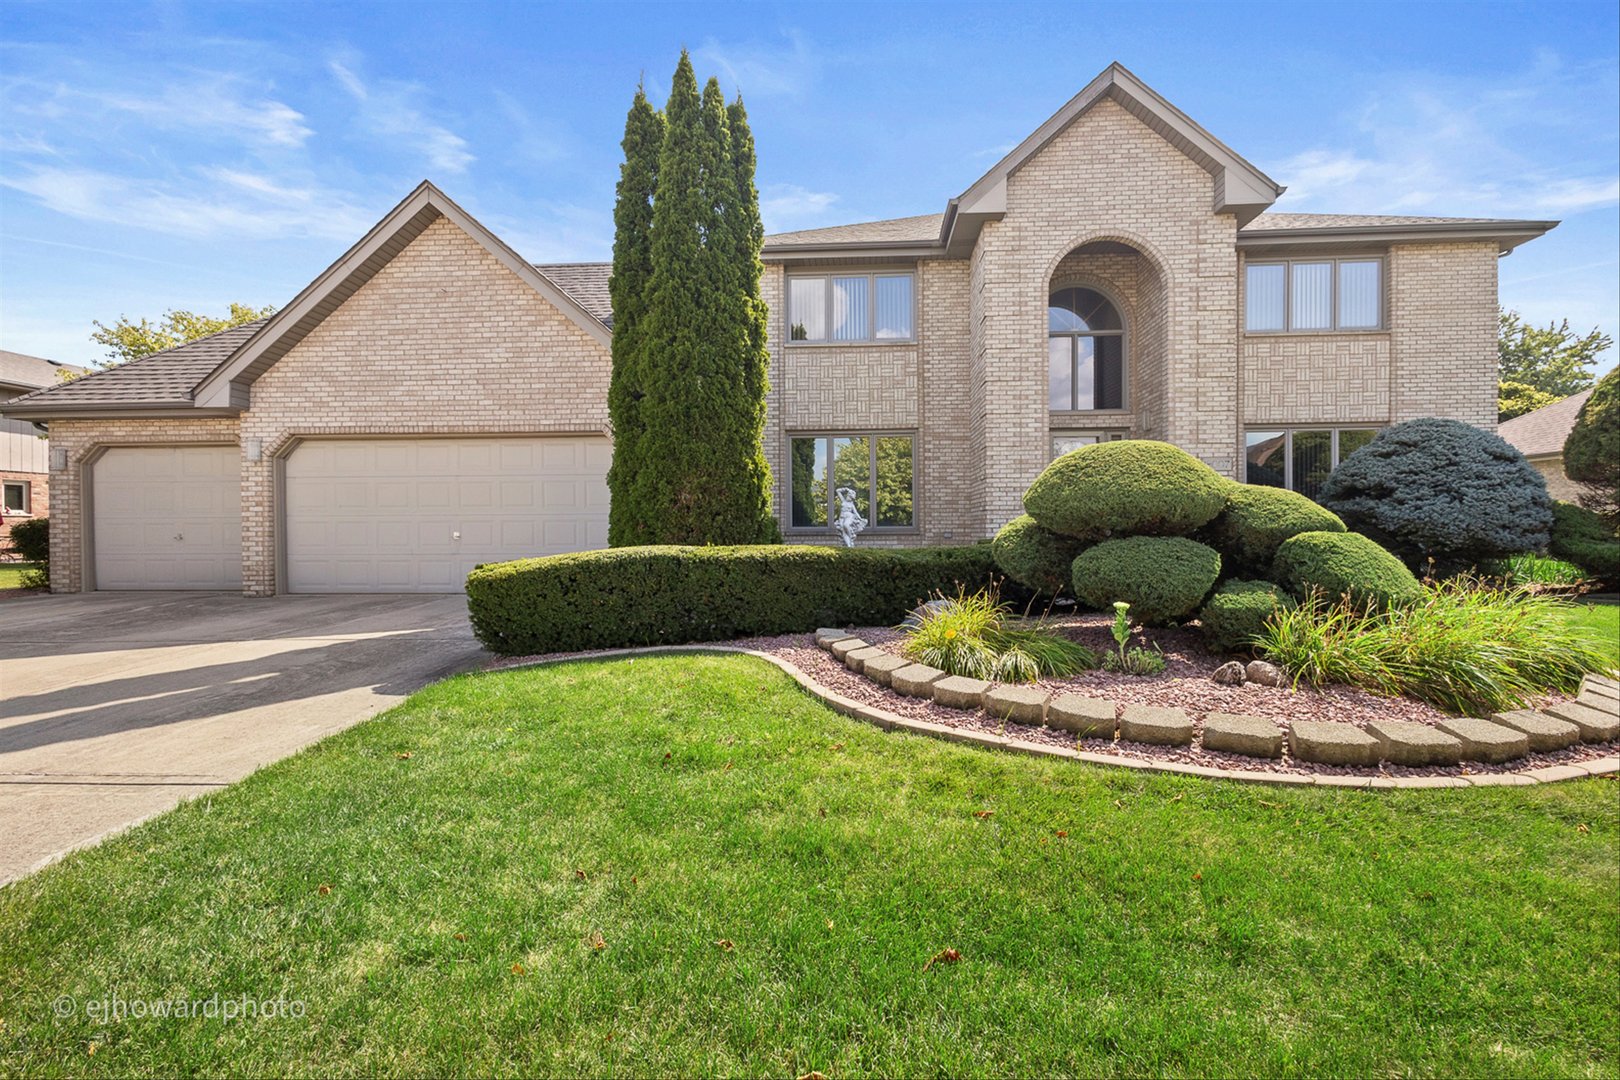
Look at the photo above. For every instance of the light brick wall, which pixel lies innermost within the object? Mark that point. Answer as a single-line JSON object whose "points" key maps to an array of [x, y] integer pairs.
{"points": [[84, 440], [1559, 486], [39, 498], [1316, 378], [1443, 329]]}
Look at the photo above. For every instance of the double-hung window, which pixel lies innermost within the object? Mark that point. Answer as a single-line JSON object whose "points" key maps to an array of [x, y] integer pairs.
{"points": [[15, 497], [841, 308], [1300, 459], [876, 468], [1313, 294]]}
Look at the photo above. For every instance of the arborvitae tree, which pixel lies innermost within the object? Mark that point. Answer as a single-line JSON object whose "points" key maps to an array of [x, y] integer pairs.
{"points": [[628, 287], [700, 474]]}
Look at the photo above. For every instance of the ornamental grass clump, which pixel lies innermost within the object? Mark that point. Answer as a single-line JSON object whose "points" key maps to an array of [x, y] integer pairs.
{"points": [[1465, 647], [971, 635]]}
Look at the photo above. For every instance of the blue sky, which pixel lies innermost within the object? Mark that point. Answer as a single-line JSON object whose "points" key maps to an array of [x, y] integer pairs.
{"points": [[189, 155]]}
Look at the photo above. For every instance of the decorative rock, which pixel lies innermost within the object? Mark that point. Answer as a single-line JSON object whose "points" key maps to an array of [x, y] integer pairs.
{"points": [[1415, 744], [856, 659], [848, 645], [1162, 727], [960, 692], [1087, 717], [1595, 724], [1237, 734], [829, 634], [879, 668], [1229, 673], [915, 617], [1544, 732], [1020, 704], [1263, 674], [915, 680], [1485, 741], [1331, 744]]}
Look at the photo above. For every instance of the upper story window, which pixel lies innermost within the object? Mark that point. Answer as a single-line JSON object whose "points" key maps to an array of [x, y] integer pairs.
{"points": [[1313, 294], [1085, 352], [851, 307]]}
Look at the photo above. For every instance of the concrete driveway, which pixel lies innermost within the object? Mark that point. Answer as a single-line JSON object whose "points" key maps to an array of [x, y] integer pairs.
{"points": [[115, 706]]}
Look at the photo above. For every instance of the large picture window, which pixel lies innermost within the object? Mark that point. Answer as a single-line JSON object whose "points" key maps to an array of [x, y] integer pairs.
{"points": [[1085, 345], [851, 307], [875, 467], [1313, 294], [1300, 458]]}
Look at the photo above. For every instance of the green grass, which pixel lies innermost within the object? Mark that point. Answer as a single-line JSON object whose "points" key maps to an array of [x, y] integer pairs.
{"points": [[11, 574], [1601, 620], [1180, 926]]}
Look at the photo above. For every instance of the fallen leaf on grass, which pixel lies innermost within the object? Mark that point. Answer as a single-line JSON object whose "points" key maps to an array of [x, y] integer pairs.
{"points": [[837, 746], [404, 755], [1176, 799], [1060, 833], [1119, 804], [461, 937], [1198, 877], [727, 768], [517, 969], [324, 890], [91, 1049], [726, 944], [1270, 805], [944, 956], [814, 1075], [1582, 828], [580, 874], [597, 940], [829, 924], [822, 812], [982, 814]]}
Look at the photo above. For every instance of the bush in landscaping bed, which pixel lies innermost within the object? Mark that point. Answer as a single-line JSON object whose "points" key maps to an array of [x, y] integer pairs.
{"points": [[1343, 564], [1130, 487], [1233, 618], [1583, 538], [1034, 557], [975, 635], [669, 595], [1444, 490], [1256, 521], [1161, 577], [31, 538]]}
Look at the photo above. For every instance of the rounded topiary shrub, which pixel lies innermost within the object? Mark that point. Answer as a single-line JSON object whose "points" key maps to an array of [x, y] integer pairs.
{"points": [[1161, 577], [1343, 564], [1441, 489], [1582, 537], [1258, 519], [1035, 557], [1131, 487], [1238, 612]]}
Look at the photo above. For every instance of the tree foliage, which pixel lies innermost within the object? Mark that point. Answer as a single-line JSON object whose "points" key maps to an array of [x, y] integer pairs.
{"points": [[1552, 359], [1592, 451], [126, 340], [697, 472], [1516, 399]]}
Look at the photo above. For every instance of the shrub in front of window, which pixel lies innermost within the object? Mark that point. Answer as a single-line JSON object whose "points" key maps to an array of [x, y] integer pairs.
{"points": [[1234, 617], [1442, 490], [1579, 535], [1126, 488], [1161, 577], [1258, 519], [1347, 564], [1034, 557], [31, 539], [670, 595]]}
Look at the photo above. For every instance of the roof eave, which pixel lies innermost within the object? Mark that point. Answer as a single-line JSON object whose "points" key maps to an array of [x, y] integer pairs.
{"points": [[865, 249], [1507, 234], [178, 408]]}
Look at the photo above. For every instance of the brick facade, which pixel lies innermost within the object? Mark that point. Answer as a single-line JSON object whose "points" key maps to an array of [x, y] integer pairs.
{"points": [[39, 499]]}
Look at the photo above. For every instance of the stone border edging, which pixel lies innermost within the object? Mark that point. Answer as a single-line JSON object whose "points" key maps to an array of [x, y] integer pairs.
{"points": [[889, 721]]}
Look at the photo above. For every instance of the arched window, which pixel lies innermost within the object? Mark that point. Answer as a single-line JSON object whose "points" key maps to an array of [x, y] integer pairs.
{"points": [[1085, 348]]}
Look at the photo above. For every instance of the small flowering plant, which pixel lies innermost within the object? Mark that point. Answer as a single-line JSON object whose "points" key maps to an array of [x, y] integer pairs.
{"points": [[1137, 661]]}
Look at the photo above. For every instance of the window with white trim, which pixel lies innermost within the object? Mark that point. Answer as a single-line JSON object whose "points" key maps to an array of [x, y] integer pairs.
{"points": [[875, 467], [15, 496], [1313, 295], [841, 308], [1299, 459]]}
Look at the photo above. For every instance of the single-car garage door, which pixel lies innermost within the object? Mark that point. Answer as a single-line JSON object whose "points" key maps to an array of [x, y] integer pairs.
{"points": [[167, 517], [415, 515]]}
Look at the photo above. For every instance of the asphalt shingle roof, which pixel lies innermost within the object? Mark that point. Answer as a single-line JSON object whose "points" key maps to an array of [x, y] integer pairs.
{"points": [[1544, 431], [28, 372], [587, 283], [163, 377], [1269, 221], [920, 229]]}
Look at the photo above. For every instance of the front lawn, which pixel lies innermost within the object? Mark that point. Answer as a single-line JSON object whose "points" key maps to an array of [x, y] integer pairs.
{"points": [[11, 574], [1603, 620], [684, 865]]}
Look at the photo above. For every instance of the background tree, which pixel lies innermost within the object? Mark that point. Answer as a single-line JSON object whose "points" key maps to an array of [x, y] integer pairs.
{"points": [[628, 287], [1539, 365], [700, 472], [1592, 451], [127, 340]]}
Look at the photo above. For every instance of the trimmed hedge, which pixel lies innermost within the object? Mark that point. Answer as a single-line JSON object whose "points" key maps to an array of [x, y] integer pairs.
{"points": [[1034, 557], [1161, 577], [1256, 521], [669, 595], [1134, 486], [1582, 537], [1344, 564], [1238, 611]]}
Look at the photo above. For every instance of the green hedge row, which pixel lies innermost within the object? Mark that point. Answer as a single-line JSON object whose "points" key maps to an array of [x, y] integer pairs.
{"points": [[670, 595]]}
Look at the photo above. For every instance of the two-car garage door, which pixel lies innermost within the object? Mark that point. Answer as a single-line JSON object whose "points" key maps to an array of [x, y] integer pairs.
{"points": [[361, 515]]}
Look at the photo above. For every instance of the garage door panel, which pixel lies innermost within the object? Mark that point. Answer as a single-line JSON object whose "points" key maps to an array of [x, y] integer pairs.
{"points": [[167, 517]]}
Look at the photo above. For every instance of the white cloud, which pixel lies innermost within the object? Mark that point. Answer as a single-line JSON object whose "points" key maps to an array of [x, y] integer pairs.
{"points": [[782, 68], [785, 207], [212, 104], [389, 109]]}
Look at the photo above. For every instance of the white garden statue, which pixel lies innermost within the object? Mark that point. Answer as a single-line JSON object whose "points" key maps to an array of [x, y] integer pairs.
{"points": [[849, 522]]}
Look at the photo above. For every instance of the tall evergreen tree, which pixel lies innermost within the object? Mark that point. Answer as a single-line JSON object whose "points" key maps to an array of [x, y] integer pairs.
{"points": [[628, 288], [700, 476]]}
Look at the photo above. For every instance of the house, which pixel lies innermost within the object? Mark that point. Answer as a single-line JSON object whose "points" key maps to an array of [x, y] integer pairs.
{"points": [[1540, 437], [25, 490], [433, 400]]}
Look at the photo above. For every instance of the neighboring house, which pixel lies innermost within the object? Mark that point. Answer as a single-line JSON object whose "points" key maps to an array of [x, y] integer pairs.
{"points": [[1540, 437], [432, 400], [25, 489]]}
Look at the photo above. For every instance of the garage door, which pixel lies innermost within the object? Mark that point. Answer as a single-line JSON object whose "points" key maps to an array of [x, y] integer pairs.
{"points": [[167, 517], [415, 515]]}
